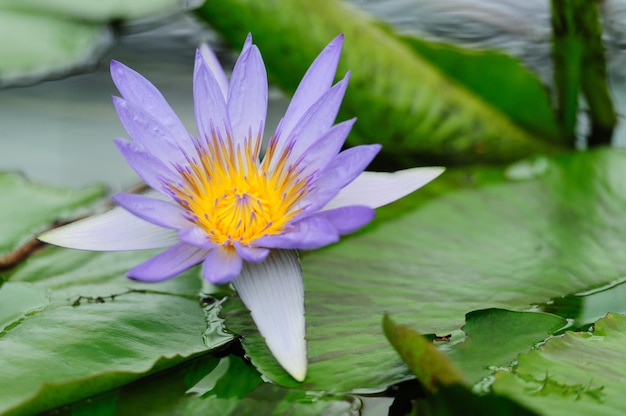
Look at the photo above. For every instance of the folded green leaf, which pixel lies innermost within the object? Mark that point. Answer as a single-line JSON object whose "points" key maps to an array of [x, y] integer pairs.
{"points": [[501, 80], [431, 367]]}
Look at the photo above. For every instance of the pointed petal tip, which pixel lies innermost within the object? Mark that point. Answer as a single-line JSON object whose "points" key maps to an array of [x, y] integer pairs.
{"points": [[337, 42], [293, 359], [298, 371], [46, 237], [115, 64]]}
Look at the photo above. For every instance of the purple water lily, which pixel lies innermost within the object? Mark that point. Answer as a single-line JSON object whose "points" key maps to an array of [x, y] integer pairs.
{"points": [[221, 204]]}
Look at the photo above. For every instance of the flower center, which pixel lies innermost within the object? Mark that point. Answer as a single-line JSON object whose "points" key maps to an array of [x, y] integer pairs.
{"points": [[233, 197]]}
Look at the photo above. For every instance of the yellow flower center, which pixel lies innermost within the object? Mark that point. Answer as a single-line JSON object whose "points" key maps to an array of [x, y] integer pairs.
{"points": [[233, 197]]}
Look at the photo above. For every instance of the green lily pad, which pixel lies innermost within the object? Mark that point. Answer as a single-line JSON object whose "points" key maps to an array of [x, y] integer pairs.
{"points": [[98, 331], [52, 38], [577, 373], [474, 239], [100, 11], [28, 208], [212, 385], [492, 243], [17, 300], [496, 336], [46, 43]]}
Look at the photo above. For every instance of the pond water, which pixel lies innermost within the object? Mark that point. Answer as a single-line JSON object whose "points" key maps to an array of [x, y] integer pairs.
{"points": [[61, 132]]}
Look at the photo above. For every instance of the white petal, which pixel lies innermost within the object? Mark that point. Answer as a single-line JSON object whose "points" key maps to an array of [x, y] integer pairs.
{"points": [[115, 230], [375, 189], [273, 291]]}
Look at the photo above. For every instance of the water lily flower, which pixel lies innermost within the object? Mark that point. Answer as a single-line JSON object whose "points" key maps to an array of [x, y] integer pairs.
{"points": [[221, 204]]}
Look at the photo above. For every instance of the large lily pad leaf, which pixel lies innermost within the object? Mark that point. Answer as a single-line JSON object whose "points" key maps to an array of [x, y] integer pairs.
{"points": [[46, 43], [507, 243], [235, 388], [100, 11], [212, 385], [29, 208], [496, 336], [577, 373], [95, 329], [402, 100], [17, 300]]}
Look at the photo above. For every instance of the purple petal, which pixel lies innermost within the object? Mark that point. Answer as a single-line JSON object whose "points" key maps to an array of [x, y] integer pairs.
{"points": [[209, 104], [156, 211], [247, 43], [150, 134], [251, 254], [348, 219], [221, 265], [247, 96], [115, 230], [273, 291], [375, 189], [318, 78], [214, 66], [323, 152], [168, 264], [346, 166], [307, 234], [139, 91], [196, 237], [147, 166], [315, 122]]}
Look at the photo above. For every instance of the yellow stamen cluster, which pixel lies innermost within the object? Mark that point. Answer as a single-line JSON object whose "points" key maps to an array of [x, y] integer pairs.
{"points": [[233, 197]]}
